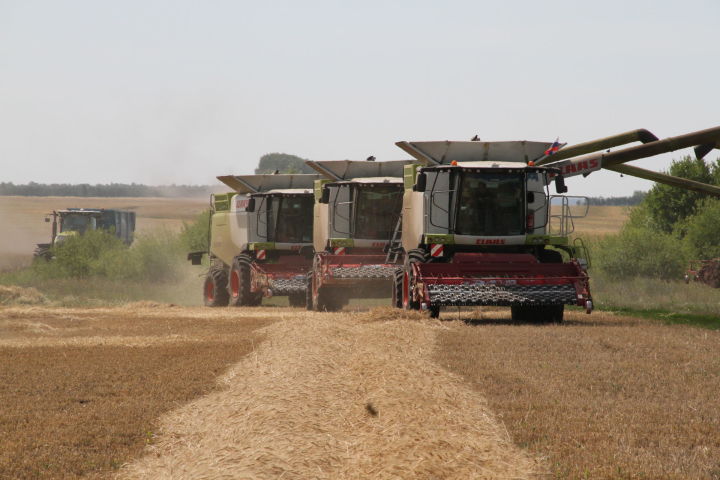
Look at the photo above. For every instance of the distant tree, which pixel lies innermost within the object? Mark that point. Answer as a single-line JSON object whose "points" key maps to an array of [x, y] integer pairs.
{"points": [[635, 199], [702, 231], [283, 162], [668, 207]]}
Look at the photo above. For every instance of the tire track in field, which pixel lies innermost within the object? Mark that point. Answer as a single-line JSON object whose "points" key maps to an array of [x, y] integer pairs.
{"points": [[336, 396]]}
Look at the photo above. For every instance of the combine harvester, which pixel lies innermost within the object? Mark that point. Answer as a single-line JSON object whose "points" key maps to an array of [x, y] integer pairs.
{"points": [[356, 211], [477, 227], [260, 240], [76, 221]]}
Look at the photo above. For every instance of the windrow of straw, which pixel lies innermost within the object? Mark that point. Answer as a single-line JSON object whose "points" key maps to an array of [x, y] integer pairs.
{"points": [[336, 396]]}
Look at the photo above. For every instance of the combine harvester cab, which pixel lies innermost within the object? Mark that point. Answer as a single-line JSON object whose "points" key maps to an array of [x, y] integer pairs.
{"points": [[476, 220], [356, 211], [260, 240]]}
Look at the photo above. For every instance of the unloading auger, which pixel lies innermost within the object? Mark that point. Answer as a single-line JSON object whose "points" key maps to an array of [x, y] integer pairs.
{"points": [[477, 226]]}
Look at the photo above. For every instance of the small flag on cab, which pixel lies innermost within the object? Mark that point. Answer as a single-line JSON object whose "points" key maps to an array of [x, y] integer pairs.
{"points": [[556, 145]]}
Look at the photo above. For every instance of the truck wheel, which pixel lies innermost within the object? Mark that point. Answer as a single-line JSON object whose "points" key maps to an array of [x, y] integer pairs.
{"points": [[215, 292], [239, 284]]}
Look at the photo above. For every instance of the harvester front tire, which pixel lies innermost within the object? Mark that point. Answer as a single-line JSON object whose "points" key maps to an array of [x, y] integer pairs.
{"points": [[309, 291], [328, 300], [413, 256], [239, 284], [537, 314], [215, 293], [397, 296], [296, 299]]}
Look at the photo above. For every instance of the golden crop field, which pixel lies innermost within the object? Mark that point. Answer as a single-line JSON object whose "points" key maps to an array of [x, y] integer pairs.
{"points": [[158, 391]]}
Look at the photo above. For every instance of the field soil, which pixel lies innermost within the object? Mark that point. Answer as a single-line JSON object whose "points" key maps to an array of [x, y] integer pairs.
{"points": [[274, 392], [81, 390], [601, 396], [23, 219]]}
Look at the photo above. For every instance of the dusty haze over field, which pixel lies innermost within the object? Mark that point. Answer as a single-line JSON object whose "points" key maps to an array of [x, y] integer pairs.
{"points": [[160, 92]]}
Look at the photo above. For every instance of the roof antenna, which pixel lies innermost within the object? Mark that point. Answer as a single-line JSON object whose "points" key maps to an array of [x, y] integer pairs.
{"points": [[370, 159], [475, 139]]}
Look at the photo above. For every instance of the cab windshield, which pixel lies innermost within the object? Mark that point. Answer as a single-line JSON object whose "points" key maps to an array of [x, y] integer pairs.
{"points": [[377, 208], [490, 204], [75, 222], [292, 217]]}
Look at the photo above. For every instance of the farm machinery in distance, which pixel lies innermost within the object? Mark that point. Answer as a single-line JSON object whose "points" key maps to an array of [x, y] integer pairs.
{"points": [[260, 240], [478, 229], [76, 221]]}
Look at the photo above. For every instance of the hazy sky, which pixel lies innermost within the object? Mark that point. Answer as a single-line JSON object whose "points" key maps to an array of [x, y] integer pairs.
{"points": [[178, 92]]}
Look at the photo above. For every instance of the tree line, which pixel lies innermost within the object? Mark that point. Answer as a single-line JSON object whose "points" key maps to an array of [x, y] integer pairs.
{"points": [[635, 199], [103, 190], [670, 227]]}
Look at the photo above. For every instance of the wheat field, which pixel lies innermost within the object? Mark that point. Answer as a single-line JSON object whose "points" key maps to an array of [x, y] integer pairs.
{"points": [[156, 390]]}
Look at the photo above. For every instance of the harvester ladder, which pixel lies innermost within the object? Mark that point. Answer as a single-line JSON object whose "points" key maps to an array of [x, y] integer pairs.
{"points": [[395, 245]]}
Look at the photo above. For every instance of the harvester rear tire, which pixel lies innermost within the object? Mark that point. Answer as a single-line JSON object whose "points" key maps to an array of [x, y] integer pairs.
{"points": [[239, 284], [215, 293]]}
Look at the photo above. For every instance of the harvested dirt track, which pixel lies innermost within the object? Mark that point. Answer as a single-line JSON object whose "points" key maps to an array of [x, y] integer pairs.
{"points": [[337, 396]]}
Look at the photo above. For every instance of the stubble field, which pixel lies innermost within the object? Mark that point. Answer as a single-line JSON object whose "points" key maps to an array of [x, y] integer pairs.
{"points": [[155, 391], [152, 390]]}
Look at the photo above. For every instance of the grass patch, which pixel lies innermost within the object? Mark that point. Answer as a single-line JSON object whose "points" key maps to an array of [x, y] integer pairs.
{"points": [[654, 295], [671, 318]]}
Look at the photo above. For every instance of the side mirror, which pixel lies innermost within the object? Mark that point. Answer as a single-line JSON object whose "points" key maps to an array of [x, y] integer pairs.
{"points": [[195, 257], [325, 197], [250, 205], [531, 197], [47, 219], [560, 186], [420, 183]]}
